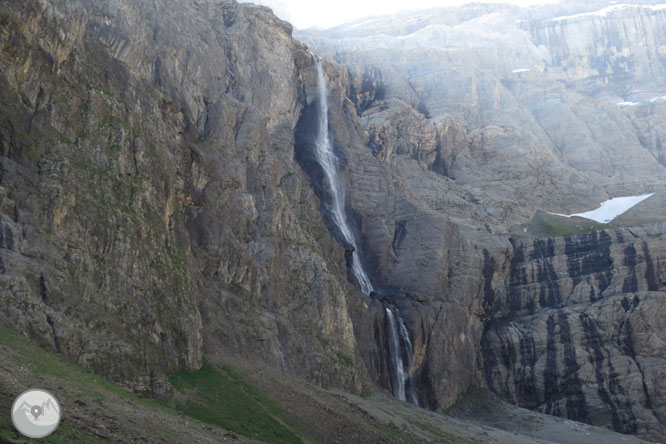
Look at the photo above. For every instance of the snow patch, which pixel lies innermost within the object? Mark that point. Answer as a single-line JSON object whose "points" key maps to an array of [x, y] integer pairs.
{"points": [[628, 103], [610, 209], [657, 98], [515, 71], [362, 23], [605, 11]]}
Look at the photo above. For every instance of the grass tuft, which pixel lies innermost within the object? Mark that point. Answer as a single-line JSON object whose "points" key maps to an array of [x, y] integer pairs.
{"points": [[222, 397], [550, 225]]}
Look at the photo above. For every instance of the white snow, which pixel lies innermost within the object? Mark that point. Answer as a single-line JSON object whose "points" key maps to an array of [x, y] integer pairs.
{"points": [[604, 12], [515, 71], [628, 103], [610, 209], [657, 98], [362, 23]]}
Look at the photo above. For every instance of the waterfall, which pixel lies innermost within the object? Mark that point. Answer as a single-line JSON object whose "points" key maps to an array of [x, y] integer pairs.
{"points": [[409, 353], [399, 343], [327, 160], [396, 355]]}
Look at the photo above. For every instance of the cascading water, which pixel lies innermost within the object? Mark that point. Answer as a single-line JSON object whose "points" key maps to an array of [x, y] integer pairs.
{"points": [[409, 353], [399, 342], [327, 160], [394, 346]]}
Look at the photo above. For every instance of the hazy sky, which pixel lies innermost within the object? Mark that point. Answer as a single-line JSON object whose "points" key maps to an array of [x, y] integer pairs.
{"points": [[325, 14]]}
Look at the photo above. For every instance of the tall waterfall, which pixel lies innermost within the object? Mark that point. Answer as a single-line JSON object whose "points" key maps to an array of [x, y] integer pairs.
{"points": [[327, 160], [399, 343], [396, 355]]}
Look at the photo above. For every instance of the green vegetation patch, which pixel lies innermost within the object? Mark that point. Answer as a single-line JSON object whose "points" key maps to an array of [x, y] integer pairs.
{"points": [[224, 398], [26, 354], [550, 225], [43, 362], [394, 433]]}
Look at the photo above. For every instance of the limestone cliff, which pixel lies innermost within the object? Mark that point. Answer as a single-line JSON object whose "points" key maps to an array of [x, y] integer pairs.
{"points": [[158, 204], [575, 328]]}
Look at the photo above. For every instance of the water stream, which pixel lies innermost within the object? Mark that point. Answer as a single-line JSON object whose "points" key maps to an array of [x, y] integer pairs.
{"points": [[327, 160], [400, 346]]}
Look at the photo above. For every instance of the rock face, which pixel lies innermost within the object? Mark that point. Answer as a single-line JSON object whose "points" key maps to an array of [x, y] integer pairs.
{"points": [[525, 109], [576, 328], [617, 42], [484, 130], [153, 208]]}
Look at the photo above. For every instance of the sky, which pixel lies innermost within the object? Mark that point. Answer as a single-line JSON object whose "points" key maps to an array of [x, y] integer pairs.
{"points": [[325, 14]]}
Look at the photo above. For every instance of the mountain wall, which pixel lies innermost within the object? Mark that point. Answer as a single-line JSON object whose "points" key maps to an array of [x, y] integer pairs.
{"points": [[159, 200], [492, 116], [157, 205], [575, 328]]}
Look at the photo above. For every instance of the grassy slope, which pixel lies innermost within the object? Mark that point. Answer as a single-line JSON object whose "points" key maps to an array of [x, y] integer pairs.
{"points": [[222, 397], [648, 212], [213, 404], [94, 410], [257, 403], [550, 225]]}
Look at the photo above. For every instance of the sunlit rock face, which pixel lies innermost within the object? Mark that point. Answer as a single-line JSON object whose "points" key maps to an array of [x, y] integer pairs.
{"points": [[526, 97], [151, 209], [615, 43]]}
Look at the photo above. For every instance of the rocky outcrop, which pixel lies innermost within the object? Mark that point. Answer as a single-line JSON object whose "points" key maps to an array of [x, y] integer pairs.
{"points": [[575, 329]]}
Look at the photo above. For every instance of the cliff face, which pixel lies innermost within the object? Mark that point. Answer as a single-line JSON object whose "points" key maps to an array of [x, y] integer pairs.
{"points": [[159, 202], [156, 205], [485, 134], [616, 42], [503, 102], [576, 328]]}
